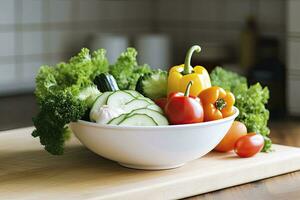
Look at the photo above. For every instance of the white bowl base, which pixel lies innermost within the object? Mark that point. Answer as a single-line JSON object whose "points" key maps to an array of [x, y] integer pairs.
{"points": [[147, 167]]}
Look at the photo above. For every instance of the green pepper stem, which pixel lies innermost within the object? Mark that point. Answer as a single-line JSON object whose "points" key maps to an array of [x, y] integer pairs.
{"points": [[220, 104], [188, 57], [188, 88]]}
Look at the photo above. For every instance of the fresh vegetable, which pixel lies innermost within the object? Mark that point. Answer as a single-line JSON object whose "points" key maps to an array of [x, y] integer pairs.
{"points": [[237, 130], [161, 102], [153, 85], [180, 76], [89, 95], [217, 103], [184, 108], [134, 93], [250, 101], [119, 99], [138, 120], [117, 120], [99, 102], [249, 145], [106, 82], [106, 113], [159, 119], [61, 95], [127, 71], [115, 107], [156, 108], [226, 79], [136, 104]]}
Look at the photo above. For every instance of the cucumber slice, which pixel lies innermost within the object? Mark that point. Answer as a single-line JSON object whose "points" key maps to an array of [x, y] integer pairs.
{"points": [[138, 120], [146, 99], [156, 116], [100, 101], [155, 107], [117, 120], [133, 93], [135, 104], [118, 99]]}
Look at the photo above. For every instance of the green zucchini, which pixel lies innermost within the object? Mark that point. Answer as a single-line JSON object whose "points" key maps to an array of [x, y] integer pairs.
{"points": [[106, 82]]}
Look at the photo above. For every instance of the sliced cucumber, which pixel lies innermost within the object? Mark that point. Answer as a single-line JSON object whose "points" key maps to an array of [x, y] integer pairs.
{"points": [[138, 120], [117, 120], [100, 101], [133, 93], [146, 99], [135, 104], [118, 99], [156, 116], [155, 107]]}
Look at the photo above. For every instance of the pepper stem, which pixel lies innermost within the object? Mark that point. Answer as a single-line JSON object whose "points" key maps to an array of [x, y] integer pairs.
{"points": [[188, 88], [220, 104], [188, 57]]}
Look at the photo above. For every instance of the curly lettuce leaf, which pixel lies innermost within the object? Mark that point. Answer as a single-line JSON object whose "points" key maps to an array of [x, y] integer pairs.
{"points": [[126, 70], [58, 92]]}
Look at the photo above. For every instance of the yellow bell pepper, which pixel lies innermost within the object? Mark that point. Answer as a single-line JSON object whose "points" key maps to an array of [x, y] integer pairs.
{"points": [[181, 75]]}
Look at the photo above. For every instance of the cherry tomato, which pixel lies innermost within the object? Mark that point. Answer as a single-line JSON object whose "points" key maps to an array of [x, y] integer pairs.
{"points": [[249, 145], [237, 130], [161, 102]]}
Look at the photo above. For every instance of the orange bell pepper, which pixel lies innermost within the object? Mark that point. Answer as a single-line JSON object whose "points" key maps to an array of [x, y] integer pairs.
{"points": [[217, 103]]}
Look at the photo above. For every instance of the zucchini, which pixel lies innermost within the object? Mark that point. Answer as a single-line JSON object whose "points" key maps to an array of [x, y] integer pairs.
{"points": [[106, 82]]}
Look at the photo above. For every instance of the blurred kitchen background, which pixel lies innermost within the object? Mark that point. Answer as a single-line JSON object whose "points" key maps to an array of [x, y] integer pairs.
{"points": [[257, 38]]}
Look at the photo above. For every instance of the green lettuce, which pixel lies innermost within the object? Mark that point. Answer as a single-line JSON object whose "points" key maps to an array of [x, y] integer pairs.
{"points": [[126, 70], [59, 93]]}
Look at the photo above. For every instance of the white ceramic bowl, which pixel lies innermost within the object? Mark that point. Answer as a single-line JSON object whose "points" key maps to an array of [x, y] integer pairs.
{"points": [[152, 147]]}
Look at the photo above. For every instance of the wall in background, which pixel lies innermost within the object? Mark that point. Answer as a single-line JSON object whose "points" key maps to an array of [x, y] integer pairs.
{"points": [[36, 32], [218, 22]]}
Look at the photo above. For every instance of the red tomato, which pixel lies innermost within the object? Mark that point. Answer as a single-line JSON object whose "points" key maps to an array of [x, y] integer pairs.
{"points": [[161, 102], [182, 109], [249, 145], [237, 130]]}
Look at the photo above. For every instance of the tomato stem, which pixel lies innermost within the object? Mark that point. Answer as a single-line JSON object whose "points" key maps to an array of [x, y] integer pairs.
{"points": [[220, 104], [188, 88], [187, 62]]}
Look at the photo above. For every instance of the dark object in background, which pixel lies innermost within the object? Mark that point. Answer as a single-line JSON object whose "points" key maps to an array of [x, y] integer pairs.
{"points": [[248, 44], [269, 71]]}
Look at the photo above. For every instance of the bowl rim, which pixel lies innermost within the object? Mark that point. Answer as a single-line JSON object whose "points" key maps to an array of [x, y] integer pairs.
{"points": [[117, 127]]}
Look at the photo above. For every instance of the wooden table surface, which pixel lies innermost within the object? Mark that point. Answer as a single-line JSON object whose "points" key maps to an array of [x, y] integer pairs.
{"points": [[284, 187]]}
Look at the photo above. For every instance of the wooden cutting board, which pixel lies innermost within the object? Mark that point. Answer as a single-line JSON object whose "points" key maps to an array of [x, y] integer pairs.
{"points": [[28, 172]]}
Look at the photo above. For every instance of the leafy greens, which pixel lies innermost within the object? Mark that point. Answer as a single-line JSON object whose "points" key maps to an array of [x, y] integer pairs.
{"points": [[58, 93], [126, 70]]}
